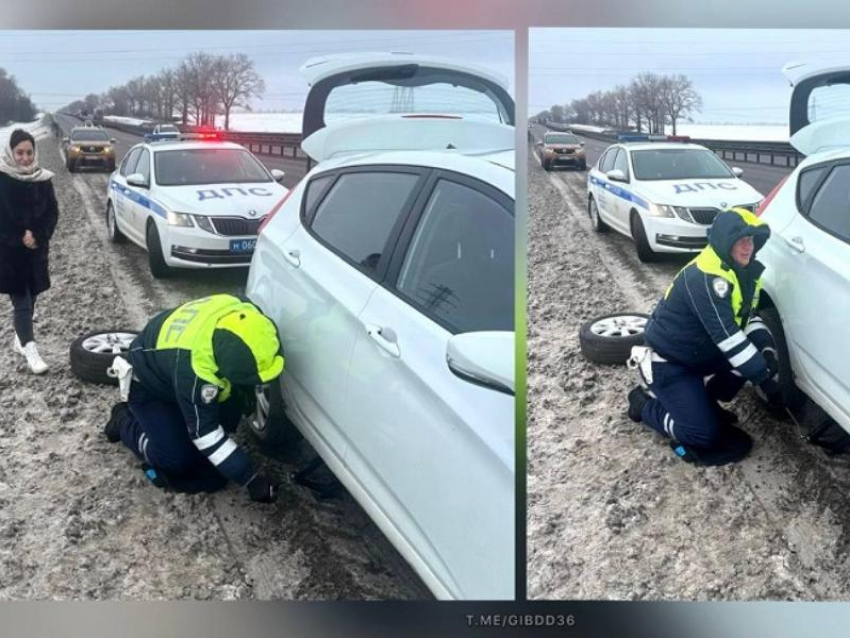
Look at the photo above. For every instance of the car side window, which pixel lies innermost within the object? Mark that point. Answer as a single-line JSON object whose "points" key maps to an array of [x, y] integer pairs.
{"points": [[460, 264], [360, 211], [831, 204], [607, 161], [621, 162], [315, 189], [808, 180], [130, 162], [143, 165]]}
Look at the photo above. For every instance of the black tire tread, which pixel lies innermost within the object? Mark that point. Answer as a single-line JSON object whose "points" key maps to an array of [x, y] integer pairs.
{"points": [[92, 366], [608, 350]]}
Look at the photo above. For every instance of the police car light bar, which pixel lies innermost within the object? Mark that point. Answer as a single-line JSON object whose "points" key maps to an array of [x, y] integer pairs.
{"points": [[678, 138], [632, 137]]}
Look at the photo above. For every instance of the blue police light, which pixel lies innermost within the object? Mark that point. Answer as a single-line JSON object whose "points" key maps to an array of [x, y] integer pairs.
{"points": [[632, 137]]}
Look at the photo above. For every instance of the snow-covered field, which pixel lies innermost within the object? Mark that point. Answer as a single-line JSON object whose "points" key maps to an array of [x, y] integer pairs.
{"points": [[758, 132], [37, 128]]}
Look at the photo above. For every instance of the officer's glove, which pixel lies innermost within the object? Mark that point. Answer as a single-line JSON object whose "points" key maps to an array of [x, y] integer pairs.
{"points": [[262, 489], [773, 393], [772, 363]]}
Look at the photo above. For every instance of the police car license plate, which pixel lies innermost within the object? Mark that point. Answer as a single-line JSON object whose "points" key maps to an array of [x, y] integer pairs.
{"points": [[242, 245]]}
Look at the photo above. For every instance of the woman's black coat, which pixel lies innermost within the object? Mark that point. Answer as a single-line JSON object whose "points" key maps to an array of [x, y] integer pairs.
{"points": [[25, 206]]}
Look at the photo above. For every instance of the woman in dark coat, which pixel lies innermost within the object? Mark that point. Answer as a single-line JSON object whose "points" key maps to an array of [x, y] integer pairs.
{"points": [[28, 216]]}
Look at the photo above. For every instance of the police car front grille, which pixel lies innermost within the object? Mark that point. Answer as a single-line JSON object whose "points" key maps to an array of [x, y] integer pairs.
{"points": [[704, 215], [235, 226]]}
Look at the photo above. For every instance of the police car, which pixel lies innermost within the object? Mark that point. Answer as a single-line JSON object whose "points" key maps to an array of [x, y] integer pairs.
{"points": [[191, 204], [663, 192]]}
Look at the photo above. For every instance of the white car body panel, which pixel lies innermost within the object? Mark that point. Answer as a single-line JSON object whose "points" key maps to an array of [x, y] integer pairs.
{"points": [[807, 275]]}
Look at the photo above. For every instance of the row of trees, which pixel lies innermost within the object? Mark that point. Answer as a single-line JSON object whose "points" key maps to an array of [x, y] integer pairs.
{"points": [[15, 106], [647, 103], [201, 87]]}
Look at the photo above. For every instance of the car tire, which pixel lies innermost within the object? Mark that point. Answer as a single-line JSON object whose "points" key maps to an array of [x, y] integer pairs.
{"points": [[609, 339], [115, 234], [546, 166], [583, 166], [110, 168], [92, 354], [792, 396], [269, 424], [69, 164], [644, 251], [595, 220], [156, 260]]}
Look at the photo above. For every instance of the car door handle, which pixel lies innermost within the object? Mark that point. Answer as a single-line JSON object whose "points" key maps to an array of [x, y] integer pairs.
{"points": [[796, 244], [385, 338], [293, 257]]}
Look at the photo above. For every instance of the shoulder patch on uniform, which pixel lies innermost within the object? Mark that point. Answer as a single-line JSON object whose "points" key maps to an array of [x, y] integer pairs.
{"points": [[209, 392], [721, 287]]}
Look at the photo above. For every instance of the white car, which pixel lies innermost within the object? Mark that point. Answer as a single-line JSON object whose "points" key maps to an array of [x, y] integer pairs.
{"points": [[806, 295], [389, 272], [191, 204], [663, 194]]}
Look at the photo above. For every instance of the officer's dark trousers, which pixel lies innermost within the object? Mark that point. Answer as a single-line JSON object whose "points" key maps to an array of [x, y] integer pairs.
{"points": [[685, 407], [156, 432]]}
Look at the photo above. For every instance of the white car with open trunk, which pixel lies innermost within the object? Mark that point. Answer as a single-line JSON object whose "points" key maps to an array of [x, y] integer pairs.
{"points": [[389, 271]]}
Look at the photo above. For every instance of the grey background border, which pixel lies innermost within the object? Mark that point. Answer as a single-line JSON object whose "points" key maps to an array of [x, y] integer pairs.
{"points": [[163, 620]]}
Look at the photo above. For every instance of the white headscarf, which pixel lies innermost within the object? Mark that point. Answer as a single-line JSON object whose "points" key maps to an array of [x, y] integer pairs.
{"points": [[31, 173]]}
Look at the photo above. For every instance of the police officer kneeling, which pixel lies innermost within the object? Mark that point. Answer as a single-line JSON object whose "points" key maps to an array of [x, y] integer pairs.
{"points": [[702, 327], [195, 368]]}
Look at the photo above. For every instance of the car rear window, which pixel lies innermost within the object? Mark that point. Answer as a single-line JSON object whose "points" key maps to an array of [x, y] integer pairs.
{"points": [[358, 214], [91, 135], [674, 163], [184, 167]]}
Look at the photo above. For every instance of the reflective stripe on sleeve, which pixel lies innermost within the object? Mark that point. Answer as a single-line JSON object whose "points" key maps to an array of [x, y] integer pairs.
{"points": [[736, 339], [208, 440], [220, 455], [745, 355]]}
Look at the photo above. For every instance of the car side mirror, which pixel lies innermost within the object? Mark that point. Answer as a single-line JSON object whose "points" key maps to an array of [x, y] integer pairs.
{"points": [[137, 179], [112, 140], [581, 144], [277, 174], [66, 140], [737, 171], [616, 175], [483, 358]]}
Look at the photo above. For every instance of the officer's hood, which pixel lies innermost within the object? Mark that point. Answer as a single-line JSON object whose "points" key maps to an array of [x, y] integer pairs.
{"points": [[246, 348], [729, 226]]}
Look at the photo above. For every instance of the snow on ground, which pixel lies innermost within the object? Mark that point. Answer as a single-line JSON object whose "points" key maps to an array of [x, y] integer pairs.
{"points": [[37, 128], [263, 122], [749, 132]]}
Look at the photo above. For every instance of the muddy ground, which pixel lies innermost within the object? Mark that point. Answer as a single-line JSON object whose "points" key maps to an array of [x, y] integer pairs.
{"points": [[612, 513], [78, 520]]}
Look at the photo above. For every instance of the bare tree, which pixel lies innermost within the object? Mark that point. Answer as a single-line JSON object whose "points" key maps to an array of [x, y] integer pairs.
{"points": [[679, 98], [557, 112], [235, 81]]}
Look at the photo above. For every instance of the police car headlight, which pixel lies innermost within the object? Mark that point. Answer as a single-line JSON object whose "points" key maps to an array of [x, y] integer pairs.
{"points": [[204, 223], [661, 210], [179, 219]]}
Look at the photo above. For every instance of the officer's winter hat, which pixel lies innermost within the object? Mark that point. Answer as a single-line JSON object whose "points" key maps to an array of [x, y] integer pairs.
{"points": [[731, 225], [246, 348]]}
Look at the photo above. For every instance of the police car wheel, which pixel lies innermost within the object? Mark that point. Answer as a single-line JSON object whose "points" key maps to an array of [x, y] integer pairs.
{"points": [[269, 424], [609, 339], [596, 221], [115, 234], [792, 395], [92, 354], [644, 251], [156, 260]]}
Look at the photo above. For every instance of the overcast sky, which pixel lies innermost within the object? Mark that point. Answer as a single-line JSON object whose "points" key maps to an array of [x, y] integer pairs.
{"points": [[58, 67], [737, 72]]}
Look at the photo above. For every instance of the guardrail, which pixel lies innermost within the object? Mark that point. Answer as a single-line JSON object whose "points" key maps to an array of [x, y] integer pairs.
{"points": [[780, 154], [275, 144]]}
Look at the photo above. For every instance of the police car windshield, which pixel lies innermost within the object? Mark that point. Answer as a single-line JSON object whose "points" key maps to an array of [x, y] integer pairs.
{"points": [[676, 163], [184, 167], [90, 135], [561, 139]]}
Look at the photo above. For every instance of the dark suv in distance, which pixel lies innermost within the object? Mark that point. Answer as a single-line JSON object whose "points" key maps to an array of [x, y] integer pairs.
{"points": [[89, 146]]}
